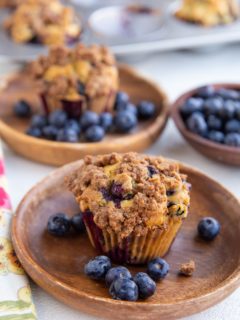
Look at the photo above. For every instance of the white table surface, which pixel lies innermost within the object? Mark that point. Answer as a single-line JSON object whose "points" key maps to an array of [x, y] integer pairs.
{"points": [[175, 72]]}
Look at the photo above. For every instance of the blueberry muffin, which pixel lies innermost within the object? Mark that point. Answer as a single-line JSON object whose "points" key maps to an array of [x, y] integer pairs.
{"points": [[43, 21], [209, 12], [77, 79], [133, 205]]}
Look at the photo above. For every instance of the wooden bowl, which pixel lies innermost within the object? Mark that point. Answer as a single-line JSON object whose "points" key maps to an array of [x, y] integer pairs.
{"points": [[57, 153], [56, 264], [216, 151]]}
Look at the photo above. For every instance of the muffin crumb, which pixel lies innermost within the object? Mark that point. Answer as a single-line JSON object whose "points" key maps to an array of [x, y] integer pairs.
{"points": [[187, 269]]}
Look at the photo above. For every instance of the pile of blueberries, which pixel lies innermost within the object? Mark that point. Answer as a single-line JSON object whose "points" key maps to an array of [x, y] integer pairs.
{"points": [[91, 127], [214, 114]]}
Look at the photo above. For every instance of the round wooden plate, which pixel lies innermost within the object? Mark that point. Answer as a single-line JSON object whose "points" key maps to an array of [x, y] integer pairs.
{"points": [[56, 264], [216, 151], [57, 153]]}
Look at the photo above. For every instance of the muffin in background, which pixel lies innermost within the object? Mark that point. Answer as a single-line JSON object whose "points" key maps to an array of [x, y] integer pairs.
{"points": [[77, 79], [133, 205], [43, 21]]}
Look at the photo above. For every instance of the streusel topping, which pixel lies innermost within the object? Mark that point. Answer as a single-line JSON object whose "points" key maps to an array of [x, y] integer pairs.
{"points": [[130, 192]]}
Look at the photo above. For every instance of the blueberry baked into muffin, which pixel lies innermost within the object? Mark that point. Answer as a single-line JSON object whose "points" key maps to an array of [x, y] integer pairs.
{"points": [[43, 21], [209, 12], [77, 79], [133, 205]]}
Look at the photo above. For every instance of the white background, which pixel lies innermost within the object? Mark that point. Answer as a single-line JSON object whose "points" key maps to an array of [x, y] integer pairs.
{"points": [[175, 72]]}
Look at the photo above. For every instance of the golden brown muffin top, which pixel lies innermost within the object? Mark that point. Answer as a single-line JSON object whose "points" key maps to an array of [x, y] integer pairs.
{"points": [[130, 192], [63, 70]]}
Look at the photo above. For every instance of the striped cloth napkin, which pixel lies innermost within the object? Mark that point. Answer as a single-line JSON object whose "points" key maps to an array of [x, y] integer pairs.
{"points": [[15, 294]]}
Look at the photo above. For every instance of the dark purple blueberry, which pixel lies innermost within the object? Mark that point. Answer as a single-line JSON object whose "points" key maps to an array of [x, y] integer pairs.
{"points": [[117, 190], [208, 228], [106, 120], [146, 110], [213, 106], [146, 286], [106, 194], [94, 133], [232, 126], [80, 88], [206, 92], [98, 267], [22, 109], [157, 269], [59, 225], [197, 124], [50, 132], [39, 121], [152, 171], [170, 193], [67, 135], [228, 94], [214, 122], [34, 132], [74, 125], [191, 105], [116, 273], [228, 110], [88, 119], [124, 289], [232, 139], [58, 118], [124, 121], [216, 136], [122, 99], [77, 222]]}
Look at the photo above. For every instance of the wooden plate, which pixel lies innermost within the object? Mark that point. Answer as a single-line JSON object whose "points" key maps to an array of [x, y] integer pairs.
{"points": [[216, 151], [57, 153], [57, 264]]}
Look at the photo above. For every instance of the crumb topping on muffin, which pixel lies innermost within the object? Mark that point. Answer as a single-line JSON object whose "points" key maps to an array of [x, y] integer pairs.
{"points": [[44, 21], [82, 73], [209, 12], [130, 192]]}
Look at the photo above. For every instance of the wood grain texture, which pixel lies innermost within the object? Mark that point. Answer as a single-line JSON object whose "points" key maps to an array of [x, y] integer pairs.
{"points": [[56, 264], [216, 151], [58, 153]]}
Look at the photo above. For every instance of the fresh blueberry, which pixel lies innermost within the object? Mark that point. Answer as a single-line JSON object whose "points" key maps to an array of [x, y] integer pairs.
{"points": [[39, 121], [131, 108], [146, 110], [232, 139], [116, 273], [125, 121], [50, 132], [228, 94], [197, 124], [124, 289], [237, 105], [146, 286], [122, 99], [22, 109], [77, 222], [34, 132], [216, 136], [67, 135], [59, 225], [206, 92], [58, 118], [157, 269], [88, 119], [214, 123], [213, 106], [94, 133], [191, 105], [98, 267], [208, 228], [74, 125], [232, 126], [80, 88], [106, 120], [228, 110]]}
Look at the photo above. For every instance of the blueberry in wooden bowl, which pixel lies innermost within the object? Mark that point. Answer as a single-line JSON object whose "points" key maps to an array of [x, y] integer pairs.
{"points": [[208, 117]]}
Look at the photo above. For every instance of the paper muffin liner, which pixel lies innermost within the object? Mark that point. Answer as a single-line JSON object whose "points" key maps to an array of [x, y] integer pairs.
{"points": [[133, 249]]}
